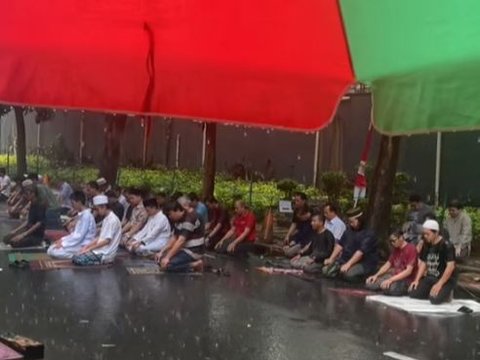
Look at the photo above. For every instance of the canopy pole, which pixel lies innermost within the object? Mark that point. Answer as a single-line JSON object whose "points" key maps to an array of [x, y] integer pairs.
{"points": [[438, 168]]}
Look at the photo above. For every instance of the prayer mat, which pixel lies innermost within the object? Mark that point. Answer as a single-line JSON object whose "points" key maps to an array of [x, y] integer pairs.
{"points": [[155, 270], [29, 348], [45, 265], [12, 257], [279, 271], [8, 354], [352, 292], [4, 247], [416, 306]]}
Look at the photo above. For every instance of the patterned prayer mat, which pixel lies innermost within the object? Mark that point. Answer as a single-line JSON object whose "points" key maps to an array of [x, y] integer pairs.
{"points": [[155, 270], [279, 271], [12, 257], [8, 354], [45, 265], [352, 292]]}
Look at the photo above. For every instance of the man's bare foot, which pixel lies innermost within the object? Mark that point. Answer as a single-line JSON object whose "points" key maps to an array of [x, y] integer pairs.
{"points": [[198, 266]]}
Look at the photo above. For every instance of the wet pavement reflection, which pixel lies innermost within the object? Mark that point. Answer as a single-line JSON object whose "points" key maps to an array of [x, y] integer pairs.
{"points": [[108, 314]]}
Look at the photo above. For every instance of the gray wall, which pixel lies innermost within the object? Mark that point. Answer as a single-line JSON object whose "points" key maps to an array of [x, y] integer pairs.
{"points": [[291, 153]]}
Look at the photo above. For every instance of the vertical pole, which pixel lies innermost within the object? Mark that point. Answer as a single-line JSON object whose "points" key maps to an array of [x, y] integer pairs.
{"points": [[177, 152], [315, 158], [82, 142], [204, 143], [145, 136], [39, 130], [438, 160], [8, 159]]}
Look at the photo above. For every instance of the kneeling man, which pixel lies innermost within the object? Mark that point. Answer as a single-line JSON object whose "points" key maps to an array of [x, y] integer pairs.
{"points": [[154, 235], [104, 248], [239, 240], [435, 278], [83, 233], [355, 255], [184, 251], [395, 276], [311, 258]]}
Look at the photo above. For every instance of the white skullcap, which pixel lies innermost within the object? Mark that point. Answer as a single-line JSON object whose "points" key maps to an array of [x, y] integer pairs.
{"points": [[100, 200], [101, 181], [431, 225], [27, 182]]}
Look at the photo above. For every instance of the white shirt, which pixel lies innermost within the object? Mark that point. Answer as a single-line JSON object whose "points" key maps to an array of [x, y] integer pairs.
{"points": [[5, 185], [123, 200], [64, 197], [111, 231], [157, 228], [84, 232], [336, 227]]}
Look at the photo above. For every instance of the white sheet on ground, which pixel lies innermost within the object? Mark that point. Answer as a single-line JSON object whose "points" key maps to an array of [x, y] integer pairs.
{"points": [[424, 306]]}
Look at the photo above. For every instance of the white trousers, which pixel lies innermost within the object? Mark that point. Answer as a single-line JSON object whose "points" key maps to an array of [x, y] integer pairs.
{"points": [[62, 253]]}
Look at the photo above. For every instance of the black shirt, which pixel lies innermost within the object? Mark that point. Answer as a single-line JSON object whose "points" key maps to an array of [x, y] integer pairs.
{"points": [[437, 256], [36, 214], [118, 209], [191, 228], [321, 246]]}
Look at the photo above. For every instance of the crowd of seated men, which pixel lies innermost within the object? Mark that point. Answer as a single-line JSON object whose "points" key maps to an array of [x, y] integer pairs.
{"points": [[175, 231]]}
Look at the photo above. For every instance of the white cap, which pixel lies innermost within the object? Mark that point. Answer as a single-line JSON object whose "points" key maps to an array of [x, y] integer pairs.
{"points": [[101, 181], [431, 225], [27, 182], [100, 200]]}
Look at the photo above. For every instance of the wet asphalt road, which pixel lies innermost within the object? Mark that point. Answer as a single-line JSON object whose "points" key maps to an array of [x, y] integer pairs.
{"points": [[108, 314]]}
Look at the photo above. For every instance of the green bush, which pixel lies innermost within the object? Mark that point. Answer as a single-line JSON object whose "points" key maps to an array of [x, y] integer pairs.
{"points": [[335, 184]]}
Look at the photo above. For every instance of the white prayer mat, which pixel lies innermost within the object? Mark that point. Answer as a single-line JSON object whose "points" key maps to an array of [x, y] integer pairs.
{"points": [[424, 306]]}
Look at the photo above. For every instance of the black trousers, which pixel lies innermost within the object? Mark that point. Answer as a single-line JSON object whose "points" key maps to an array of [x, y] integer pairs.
{"points": [[425, 285], [241, 250]]}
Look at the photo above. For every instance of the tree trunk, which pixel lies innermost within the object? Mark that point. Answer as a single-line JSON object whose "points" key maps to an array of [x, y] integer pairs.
{"points": [[21, 148], [210, 160], [114, 129], [380, 197]]}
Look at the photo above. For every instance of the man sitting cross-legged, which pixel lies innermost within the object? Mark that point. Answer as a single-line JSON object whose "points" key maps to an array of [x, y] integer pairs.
{"points": [[83, 233], [154, 235], [311, 258], [184, 251], [104, 248], [435, 279], [137, 219], [239, 239], [355, 255], [395, 276]]}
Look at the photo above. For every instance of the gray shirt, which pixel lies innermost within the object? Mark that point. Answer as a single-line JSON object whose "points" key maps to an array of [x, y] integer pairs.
{"points": [[459, 229]]}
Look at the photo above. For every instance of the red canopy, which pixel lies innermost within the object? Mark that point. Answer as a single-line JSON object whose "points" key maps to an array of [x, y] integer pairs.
{"points": [[277, 63]]}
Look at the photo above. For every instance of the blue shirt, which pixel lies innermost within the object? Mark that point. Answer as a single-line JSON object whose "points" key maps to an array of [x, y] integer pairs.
{"points": [[202, 212], [336, 227], [84, 233]]}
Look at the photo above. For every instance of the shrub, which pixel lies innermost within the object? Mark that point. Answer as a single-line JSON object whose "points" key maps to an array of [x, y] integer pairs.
{"points": [[335, 184]]}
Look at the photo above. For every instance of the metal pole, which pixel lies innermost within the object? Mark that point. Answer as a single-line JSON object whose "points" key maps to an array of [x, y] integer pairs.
{"points": [[315, 158], [438, 168], [177, 152], [39, 129], [82, 143], [144, 153]]}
